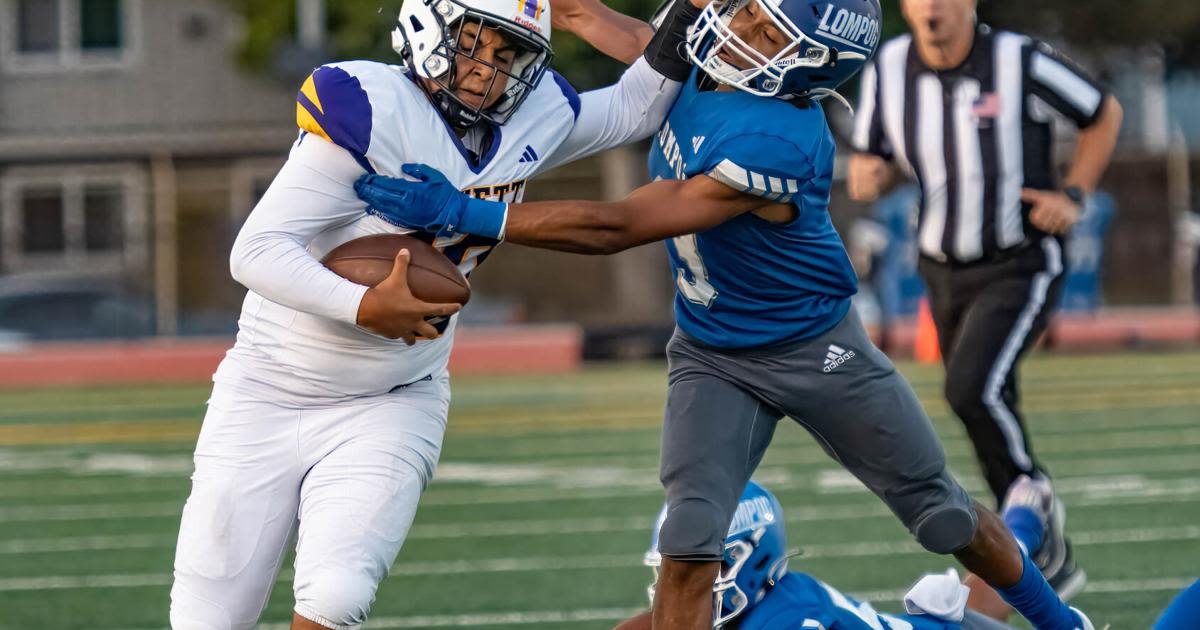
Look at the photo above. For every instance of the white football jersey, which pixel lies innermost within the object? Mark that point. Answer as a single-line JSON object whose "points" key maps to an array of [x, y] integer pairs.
{"points": [[300, 343]]}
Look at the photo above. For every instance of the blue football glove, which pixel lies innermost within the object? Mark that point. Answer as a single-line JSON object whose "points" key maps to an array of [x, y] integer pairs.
{"points": [[431, 203]]}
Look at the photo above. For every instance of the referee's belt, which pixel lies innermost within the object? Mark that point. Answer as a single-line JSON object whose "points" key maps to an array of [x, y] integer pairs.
{"points": [[999, 256]]}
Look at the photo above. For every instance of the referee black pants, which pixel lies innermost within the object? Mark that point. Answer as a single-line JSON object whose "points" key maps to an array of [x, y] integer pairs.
{"points": [[988, 314]]}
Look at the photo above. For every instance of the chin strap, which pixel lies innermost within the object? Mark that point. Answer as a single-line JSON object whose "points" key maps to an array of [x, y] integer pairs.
{"points": [[820, 93], [459, 116]]}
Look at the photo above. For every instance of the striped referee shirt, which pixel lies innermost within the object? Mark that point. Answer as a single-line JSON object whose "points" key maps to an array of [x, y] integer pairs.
{"points": [[974, 136]]}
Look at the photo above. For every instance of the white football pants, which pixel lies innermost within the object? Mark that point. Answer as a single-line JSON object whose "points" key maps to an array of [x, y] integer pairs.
{"points": [[346, 478]]}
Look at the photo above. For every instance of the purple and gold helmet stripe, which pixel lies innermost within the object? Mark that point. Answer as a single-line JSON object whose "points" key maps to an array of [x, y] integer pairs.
{"points": [[532, 8]]}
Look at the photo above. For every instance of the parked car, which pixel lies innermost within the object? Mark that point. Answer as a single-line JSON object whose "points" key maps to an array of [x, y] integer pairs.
{"points": [[50, 307]]}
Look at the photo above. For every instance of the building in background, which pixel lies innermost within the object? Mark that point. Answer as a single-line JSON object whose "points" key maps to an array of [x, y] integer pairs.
{"points": [[132, 146], [127, 139]]}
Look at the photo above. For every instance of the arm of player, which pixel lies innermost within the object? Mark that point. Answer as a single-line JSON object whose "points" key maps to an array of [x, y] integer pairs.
{"points": [[634, 107], [613, 33], [656, 211], [313, 193]]}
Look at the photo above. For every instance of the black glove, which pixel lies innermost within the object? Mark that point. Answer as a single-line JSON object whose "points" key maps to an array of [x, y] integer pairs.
{"points": [[666, 53]]}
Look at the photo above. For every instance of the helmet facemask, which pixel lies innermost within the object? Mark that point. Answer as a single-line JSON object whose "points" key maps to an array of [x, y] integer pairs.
{"points": [[758, 74], [730, 599], [440, 65]]}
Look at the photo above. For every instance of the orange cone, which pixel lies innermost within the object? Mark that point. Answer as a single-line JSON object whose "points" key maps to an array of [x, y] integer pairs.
{"points": [[925, 347]]}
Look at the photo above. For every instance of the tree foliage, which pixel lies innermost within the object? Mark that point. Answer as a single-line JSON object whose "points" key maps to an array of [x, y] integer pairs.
{"points": [[1098, 24], [361, 29]]}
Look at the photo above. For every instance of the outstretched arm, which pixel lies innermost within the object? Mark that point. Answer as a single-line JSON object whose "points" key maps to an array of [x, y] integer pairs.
{"points": [[635, 106], [656, 211], [611, 32]]}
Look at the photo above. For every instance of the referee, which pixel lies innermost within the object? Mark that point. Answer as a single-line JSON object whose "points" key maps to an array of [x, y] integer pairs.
{"points": [[967, 110]]}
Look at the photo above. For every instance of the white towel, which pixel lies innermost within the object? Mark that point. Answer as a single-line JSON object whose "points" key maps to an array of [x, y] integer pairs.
{"points": [[940, 595]]}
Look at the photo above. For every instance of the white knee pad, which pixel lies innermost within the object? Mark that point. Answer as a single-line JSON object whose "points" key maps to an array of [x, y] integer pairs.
{"points": [[339, 600]]}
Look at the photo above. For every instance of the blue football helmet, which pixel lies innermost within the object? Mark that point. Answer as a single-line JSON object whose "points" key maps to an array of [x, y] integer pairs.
{"points": [[755, 554], [829, 42]]}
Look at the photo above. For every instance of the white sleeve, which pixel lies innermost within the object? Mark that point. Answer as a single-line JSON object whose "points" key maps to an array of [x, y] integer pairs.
{"points": [[627, 111], [311, 194]]}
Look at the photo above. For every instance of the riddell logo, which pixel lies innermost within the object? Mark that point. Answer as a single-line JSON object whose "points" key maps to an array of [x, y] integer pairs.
{"points": [[837, 357], [527, 23]]}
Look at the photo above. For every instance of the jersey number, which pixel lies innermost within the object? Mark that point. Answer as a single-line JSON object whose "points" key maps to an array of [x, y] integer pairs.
{"points": [[697, 288]]}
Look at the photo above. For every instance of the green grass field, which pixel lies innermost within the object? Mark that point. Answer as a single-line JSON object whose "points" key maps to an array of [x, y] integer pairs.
{"points": [[548, 488]]}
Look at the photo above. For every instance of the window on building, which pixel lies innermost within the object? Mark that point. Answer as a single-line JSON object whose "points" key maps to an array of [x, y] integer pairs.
{"points": [[42, 224], [68, 33], [99, 24], [38, 25], [103, 218], [91, 217]]}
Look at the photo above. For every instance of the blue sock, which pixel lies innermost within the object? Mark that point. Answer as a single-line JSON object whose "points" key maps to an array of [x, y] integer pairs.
{"points": [[1026, 527], [1037, 602]]}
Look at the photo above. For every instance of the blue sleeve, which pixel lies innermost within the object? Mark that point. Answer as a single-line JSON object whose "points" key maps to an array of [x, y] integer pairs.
{"points": [[759, 164], [333, 104]]}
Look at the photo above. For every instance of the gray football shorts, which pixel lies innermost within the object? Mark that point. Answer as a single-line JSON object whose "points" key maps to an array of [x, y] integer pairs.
{"points": [[722, 409]]}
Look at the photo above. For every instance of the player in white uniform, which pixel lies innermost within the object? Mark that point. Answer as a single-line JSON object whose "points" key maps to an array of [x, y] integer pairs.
{"points": [[318, 426]]}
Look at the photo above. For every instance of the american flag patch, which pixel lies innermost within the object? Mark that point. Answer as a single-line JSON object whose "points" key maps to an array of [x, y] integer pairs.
{"points": [[986, 106]]}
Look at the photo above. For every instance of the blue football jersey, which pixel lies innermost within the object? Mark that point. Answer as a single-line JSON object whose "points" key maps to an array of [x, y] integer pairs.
{"points": [[751, 282], [801, 601]]}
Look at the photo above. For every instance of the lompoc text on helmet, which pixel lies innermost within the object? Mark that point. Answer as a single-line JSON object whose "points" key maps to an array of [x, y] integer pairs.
{"points": [[750, 514], [850, 27]]}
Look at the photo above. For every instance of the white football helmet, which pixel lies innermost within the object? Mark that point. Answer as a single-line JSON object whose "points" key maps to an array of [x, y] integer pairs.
{"points": [[427, 39]]}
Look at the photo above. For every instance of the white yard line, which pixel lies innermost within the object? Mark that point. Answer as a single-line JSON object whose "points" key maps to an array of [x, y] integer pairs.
{"points": [[85, 543], [406, 570], [1122, 490], [81, 582]]}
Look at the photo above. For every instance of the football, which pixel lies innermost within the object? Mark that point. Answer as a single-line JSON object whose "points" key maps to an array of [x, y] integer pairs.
{"points": [[368, 260]]}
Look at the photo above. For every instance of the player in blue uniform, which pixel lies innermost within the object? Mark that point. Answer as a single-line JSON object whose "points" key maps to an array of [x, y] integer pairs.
{"points": [[756, 591], [743, 168]]}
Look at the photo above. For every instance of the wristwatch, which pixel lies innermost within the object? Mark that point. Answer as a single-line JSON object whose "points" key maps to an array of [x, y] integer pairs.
{"points": [[1075, 194]]}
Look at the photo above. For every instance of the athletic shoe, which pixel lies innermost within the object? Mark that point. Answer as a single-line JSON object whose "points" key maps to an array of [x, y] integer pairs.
{"points": [[1054, 558]]}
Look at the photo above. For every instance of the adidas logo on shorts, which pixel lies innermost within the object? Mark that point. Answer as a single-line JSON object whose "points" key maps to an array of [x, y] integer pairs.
{"points": [[836, 357]]}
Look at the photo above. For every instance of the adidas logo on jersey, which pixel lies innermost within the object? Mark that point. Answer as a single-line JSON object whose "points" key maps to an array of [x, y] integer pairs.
{"points": [[696, 142], [528, 156], [836, 357]]}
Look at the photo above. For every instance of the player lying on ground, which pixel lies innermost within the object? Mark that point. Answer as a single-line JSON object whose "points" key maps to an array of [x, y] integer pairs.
{"points": [[743, 168], [329, 429], [756, 591]]}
